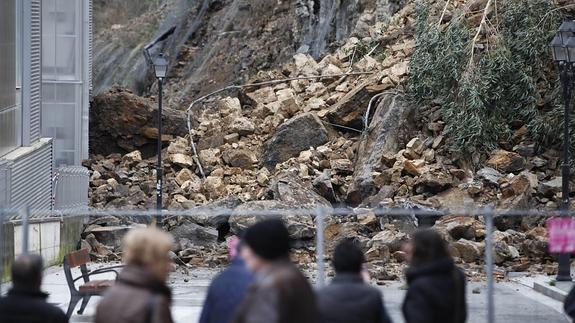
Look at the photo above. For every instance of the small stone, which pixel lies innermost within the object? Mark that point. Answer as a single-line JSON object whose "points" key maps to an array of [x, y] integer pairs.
{"points": [[305, 156], [230, 105], [264, 95], [506, 161], [550, 188], [490, 175], [182, 160], [242, 158], [214, 187], [132, 158], [411, 168], [179, 146], [231, 138], [416, 145], [183, 176], [262, 179], [242, 126], [538, 162], [342, 166], [437, 142]]}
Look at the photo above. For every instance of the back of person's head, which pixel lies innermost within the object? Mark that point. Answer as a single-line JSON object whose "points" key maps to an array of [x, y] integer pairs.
{"points": [[428, 246], [269, 239], [144, 247], [27, 272], [348, 257]]}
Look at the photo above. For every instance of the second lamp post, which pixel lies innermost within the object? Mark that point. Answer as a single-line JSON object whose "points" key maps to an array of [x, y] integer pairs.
{"points": [[563, 48]]}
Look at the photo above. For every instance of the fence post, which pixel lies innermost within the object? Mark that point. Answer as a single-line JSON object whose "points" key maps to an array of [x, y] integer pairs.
{"points": [[25, 232], [2, 262], [319, 248], [489, 265]]}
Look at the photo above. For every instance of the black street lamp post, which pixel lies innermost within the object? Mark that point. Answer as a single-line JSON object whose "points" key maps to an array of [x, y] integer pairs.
{"points": [[563, 48], [161, 70], [160, 65]]}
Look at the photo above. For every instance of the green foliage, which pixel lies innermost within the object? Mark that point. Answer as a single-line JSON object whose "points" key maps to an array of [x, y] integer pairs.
{"points": [[503, 82], [363, 48]]}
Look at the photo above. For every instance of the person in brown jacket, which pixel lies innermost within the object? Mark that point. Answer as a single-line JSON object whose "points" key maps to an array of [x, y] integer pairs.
{"points": [[280, 293], [140, 294]]}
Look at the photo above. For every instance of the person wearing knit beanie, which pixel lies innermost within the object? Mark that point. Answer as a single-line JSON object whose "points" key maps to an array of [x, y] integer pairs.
{"points": [[268, 241], [280, 292]]}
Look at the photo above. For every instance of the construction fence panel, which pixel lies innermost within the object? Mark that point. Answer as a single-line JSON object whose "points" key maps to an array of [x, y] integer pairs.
{"points": [[55, 233]]}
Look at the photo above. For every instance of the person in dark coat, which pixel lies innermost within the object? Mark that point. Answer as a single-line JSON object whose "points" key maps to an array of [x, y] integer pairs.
{"points": [[436, 287], [569, 304], [280, 293], [140, 294], [25, 303], [348, 299], [227, 290]]}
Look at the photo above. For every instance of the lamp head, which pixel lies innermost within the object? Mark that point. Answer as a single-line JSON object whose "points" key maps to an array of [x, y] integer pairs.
{"points": [[570, 46], [161, 66], [559, 50], [567, 29]]}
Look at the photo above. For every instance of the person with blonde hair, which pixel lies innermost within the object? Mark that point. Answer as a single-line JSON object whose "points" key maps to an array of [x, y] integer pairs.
{"points": [[140, 293]]}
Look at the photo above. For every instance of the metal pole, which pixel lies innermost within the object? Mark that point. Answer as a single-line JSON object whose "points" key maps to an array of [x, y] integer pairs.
{"points": [[25, 232], [564, 270], [2, 260], [159, 166], [319, 248], [489, 265]]}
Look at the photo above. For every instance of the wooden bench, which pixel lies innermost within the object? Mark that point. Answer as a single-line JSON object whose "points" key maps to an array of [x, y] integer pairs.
{"points": [[90, 287]]}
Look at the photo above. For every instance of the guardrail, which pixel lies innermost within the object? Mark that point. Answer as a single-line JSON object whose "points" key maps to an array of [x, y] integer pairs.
{"points": [[319, 215]]}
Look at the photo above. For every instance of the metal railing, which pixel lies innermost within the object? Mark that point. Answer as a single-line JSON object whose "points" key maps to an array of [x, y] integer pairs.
{"points": [[319, 215]]}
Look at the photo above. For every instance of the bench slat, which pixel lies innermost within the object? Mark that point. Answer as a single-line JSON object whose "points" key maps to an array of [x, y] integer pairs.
{"points": [[78, 258]]}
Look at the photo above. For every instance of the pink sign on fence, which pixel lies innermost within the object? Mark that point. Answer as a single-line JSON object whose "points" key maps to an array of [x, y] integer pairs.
{"points": [[561, 233]]}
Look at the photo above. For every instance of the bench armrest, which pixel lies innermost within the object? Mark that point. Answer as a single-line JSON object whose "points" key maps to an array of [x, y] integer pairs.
{"points": [[101, 271]]}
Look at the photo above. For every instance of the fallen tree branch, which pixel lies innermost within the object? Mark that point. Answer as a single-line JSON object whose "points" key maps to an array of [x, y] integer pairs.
{"points": [[476, 38], [443, 13]]}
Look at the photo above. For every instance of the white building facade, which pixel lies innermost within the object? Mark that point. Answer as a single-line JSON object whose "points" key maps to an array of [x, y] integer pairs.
{"points": [[45, 72]]}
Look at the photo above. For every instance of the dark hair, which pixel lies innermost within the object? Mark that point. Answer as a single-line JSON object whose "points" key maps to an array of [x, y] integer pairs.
{"points": [[348, 257], [27, 272], [428, 246], [269, 239]]}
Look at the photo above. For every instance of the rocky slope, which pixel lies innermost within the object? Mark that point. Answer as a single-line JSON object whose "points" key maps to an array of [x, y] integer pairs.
{"points": [[354, 140]]}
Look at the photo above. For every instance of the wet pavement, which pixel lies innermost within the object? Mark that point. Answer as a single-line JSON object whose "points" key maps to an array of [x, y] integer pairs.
{"points": [[514, 302]]}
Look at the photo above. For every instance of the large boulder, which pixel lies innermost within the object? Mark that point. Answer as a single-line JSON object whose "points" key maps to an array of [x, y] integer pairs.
{"points": [[294, 136], [383, 136], [393, 240], [288, 189], [466, 250], [123, 122], [349, 111], [299, 223], [197, 234]]}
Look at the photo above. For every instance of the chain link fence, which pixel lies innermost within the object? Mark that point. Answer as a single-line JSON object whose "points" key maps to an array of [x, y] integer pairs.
{"points": [[23, 231]]}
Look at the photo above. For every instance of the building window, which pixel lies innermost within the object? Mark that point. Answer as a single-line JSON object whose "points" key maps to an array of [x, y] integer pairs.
{"points": [[9, 110], [59, 119], [61, 46]]}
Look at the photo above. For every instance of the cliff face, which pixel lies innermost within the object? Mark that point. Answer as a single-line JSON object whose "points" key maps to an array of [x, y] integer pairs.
{"points": [[219, 42]]}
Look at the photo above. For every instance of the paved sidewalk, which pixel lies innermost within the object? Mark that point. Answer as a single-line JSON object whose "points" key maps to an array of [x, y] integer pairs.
{"points": [[514, 302], [546, 285]]}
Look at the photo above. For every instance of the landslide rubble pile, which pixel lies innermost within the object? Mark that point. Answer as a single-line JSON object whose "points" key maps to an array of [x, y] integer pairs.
{"points": [[302, 143]]}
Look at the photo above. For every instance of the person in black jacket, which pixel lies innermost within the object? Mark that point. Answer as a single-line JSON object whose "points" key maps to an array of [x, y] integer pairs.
{"points": [[348, 298], [436, 287], [25, 303]]}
